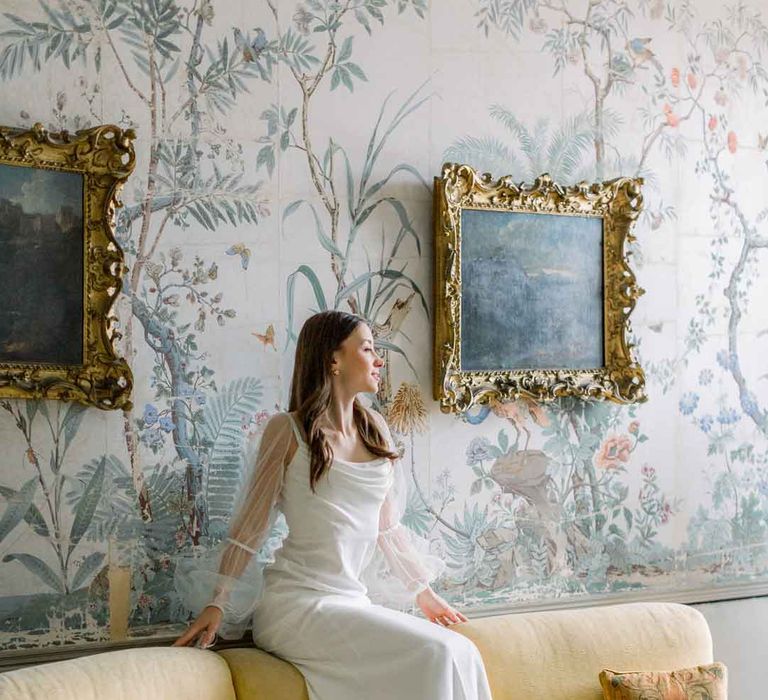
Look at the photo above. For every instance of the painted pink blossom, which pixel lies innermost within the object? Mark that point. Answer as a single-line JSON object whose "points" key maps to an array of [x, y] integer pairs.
{"points": [[672, 119], [692, 81], [634, 427], [712, 123], [675, 77], [733, 142], [721, 97], [613, 451]]}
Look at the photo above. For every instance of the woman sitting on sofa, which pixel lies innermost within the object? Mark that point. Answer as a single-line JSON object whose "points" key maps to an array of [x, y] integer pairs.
{"points": [[331, 468]]}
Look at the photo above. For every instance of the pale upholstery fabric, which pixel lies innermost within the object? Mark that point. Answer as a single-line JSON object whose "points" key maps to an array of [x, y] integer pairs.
{"points": [[258, 675], [558, 655], [157, 673]]}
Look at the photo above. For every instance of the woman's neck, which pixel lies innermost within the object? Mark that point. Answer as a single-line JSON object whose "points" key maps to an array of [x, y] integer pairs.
{"points": [[340, 417]]}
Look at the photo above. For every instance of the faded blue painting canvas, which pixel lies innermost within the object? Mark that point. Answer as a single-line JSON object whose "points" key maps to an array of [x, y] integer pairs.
{"points": [[41, 266], [532, 291]]}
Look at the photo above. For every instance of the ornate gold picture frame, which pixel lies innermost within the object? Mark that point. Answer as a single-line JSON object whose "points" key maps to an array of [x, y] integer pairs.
{"points": [[60, 265], [533, 290]]}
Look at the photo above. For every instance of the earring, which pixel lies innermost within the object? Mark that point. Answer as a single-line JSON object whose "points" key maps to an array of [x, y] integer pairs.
{"points": [[336, 372]]}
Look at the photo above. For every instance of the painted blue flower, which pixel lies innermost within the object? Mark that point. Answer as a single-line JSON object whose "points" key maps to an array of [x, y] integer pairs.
{"points": [[728, 416], [479, 450], [705, 423], [705, 377], [199, 396], [726, 359], [750, 403], [150, 414], [688, 403], [166, 424]]}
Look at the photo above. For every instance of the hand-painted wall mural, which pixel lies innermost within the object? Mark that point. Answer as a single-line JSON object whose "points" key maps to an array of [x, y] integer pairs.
{"points": [[284, 153]]}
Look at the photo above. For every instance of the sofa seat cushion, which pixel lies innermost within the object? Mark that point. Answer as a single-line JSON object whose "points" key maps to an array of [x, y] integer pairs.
{"points": [[258, 675], [156, 673], [559, 654]]}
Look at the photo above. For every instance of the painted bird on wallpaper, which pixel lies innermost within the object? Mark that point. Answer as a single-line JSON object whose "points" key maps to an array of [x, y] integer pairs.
{"points": [[640, 51], [267, 337], [241, 250], [526, 473], [251, 48]]}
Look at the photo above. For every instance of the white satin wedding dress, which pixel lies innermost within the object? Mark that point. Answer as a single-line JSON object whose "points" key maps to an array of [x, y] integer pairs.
{"points": [[311, 605]]}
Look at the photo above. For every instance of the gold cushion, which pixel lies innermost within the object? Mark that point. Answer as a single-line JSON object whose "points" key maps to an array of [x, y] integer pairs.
{"points": [[258, 675], [697, 683]]}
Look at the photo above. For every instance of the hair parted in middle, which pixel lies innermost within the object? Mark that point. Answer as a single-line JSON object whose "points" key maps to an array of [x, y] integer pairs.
{"points": [[312, 390]]}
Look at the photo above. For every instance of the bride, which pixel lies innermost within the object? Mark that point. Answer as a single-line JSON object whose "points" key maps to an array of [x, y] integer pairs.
{"points": [[330, 467]]}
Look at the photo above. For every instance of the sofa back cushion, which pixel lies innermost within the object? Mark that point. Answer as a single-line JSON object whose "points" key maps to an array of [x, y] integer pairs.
{"points": [[155, 673], [559, 654]]}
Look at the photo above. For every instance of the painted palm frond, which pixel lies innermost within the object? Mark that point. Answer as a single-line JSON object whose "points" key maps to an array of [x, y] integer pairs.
{"points": [[529, 144], [567, 148], [485, 154], [222, 437]]}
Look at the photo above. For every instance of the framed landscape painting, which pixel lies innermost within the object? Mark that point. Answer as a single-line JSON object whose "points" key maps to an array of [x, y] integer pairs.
{"points": [[60, 267], [533, 290]]}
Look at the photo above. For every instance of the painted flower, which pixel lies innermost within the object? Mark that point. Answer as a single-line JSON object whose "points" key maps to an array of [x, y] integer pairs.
{"points": [[407, 412], [733, 142], [721, 97], [666, 512], [261, 417], [648, 471], [634, 427], [727, 416], [479, 450], [302, 18], [705, 423], [166, 423], [723, 359], [712, 123], [150, 414], [614, 450], [705, 377], [721, 55], [672, 119], [750, 403], [692, 81], [675, 77], [688, 403]]}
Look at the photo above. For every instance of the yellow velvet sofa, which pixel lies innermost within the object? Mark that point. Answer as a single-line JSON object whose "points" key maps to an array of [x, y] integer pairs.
{"points": [[555, 655]]}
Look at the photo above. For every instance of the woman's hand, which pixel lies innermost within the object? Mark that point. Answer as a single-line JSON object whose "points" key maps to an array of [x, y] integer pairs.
{"points": [[203, 629], [435, 609]]}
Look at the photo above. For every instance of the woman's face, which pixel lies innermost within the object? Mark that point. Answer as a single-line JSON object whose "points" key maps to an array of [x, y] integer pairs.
{"points": [[357, 361]]}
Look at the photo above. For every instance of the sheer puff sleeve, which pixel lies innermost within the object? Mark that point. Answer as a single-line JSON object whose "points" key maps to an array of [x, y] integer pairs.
{"points": [[401, 566], [229, 576]]}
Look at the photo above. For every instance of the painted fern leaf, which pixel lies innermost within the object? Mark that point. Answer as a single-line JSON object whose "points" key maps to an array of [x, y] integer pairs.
{"points": [[223, 439]]}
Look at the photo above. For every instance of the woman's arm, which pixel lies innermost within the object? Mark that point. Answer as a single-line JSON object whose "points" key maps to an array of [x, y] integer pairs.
{"points": [[228, 598]]}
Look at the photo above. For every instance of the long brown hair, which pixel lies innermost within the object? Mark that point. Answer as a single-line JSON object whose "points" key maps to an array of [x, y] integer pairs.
{"points": [[312, 391]]}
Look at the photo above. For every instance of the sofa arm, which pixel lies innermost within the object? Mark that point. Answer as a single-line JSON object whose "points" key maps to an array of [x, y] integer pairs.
{"points": [[558, 654], [155, 673]]}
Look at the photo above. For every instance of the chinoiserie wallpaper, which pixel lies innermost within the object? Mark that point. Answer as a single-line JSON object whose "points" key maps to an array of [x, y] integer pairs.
{"points": [[285, 156]]}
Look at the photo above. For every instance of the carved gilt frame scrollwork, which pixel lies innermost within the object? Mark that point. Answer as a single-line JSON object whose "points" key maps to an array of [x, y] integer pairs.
{"points": [[105, 157], [618, 202]]}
